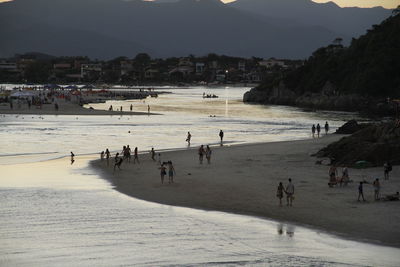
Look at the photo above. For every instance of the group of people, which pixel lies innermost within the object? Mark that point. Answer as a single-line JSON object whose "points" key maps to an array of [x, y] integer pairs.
{"points": [[288, 190], [118, 159], [317, 129], [334, 180]]}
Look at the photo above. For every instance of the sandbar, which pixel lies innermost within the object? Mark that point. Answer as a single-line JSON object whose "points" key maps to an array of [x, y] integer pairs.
{"points": [[64, 108], [243, 179]]}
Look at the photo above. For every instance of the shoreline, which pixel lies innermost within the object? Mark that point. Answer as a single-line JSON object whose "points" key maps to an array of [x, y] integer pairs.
{"points": [[65, 108], [243, 178]]}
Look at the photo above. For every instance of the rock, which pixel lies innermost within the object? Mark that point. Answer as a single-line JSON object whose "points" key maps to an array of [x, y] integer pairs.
{"points": [[349, 127], [373, 143]]}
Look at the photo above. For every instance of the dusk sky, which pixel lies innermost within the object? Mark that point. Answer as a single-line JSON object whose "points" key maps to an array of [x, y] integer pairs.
{"points": [[360, 3]]}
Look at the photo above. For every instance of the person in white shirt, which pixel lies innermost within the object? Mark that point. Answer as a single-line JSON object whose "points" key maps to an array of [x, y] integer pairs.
{"points": [[289, 192]]}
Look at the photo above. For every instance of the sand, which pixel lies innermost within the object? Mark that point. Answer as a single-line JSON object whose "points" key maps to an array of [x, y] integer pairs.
{"points": [[65, 108], [243, 179]]}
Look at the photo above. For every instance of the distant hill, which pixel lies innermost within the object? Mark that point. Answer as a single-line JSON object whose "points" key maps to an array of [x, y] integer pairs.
{"points": [[337, 77], [109, 28], [348, 21]]}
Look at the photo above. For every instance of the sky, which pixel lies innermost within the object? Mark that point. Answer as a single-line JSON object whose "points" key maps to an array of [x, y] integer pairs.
{"points": [[346, 3]]}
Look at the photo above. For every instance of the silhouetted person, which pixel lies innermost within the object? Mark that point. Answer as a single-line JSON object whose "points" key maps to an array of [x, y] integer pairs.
{"points": [[318, 129], [326, 127], [313, 130], [135, 156], [188, 138], [221, 136], [72, 158]]}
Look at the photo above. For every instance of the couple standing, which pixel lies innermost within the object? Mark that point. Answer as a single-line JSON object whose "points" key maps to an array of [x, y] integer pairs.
{"points": [[289, 191]]}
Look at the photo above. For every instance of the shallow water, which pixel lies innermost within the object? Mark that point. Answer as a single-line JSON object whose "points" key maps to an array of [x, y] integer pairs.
{"points": [[27, 138], [57, 214], [53, 213]]}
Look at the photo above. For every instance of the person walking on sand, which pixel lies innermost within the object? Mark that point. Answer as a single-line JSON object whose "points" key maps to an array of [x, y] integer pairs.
{"points": [[279, 193], [377, 188], [153, 154], [102, 155], [361, 191], [313, 130], [189, 136], [171, 172], [163, 172], [148, 109], [289, 193], [135, 156], [221, 136], [201, 154], [318, 129], [326, 127], [387, 167], [208, 154], [108, 156]]}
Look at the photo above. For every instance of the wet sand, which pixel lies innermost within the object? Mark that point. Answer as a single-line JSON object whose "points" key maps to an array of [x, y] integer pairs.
{"points": [[243, 179], [65, 108]]}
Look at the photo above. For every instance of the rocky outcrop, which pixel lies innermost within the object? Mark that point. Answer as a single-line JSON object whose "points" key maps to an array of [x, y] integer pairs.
{"points": [[374, 144], [351, 127], [327, 99]]}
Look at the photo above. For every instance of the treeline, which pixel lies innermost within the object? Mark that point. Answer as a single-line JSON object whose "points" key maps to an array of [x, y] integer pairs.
{"points": [[369, 66]]}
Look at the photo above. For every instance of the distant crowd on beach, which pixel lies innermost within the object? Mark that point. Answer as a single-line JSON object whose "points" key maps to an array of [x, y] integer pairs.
{"points": [[167, 167], [125, 156]]}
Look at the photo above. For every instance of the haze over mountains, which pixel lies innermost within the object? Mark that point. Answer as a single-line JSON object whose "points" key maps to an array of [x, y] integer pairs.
{"points": [[109, 28]]}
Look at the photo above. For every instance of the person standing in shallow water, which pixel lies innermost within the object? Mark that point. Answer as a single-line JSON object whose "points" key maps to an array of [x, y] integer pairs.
{"points": [[313, 130], [72, 158], [326, 127], [318, 129], [279, 193]]}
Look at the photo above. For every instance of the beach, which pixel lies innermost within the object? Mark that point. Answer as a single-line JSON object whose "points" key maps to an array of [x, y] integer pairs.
{"points": [[64, 108], [243, 179]]}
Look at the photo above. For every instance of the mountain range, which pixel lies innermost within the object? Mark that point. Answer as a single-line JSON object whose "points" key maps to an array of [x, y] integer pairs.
{"points": [[106, 29]]}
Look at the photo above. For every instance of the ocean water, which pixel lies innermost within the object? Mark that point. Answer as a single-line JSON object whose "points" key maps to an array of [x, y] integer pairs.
{"points": [[53, 213]]}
